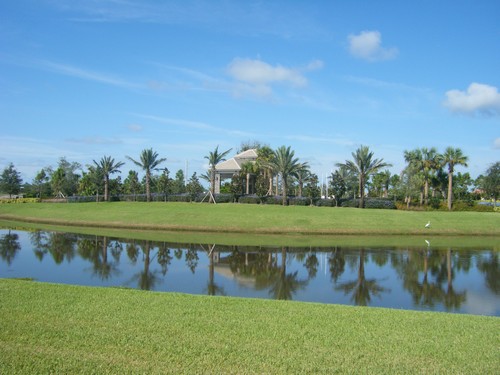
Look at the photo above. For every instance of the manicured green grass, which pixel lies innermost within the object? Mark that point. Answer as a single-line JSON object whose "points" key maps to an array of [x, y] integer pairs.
{"points": [[240, 218], [47, 328], [253, 239]]}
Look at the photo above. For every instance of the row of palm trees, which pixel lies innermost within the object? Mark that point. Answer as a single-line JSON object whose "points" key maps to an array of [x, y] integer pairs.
{"points": [[149, 160], [425, 162], [282, 162]]}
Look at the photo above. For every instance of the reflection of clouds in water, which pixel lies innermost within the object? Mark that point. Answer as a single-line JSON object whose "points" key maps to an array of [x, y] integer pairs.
{"points": [[480, 304]]}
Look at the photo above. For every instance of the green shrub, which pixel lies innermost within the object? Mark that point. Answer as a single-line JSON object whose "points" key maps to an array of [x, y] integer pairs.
{"points": [[350, 203], [179, 198], [323, 202], [223, 198], [250, 199], [299, 201], [274, 199], [381, 203], [376, 203]]}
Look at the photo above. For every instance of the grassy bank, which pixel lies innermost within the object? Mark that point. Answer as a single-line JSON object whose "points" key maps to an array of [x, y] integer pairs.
{"points": [[240, 218], [293, 240], [47, 328]]}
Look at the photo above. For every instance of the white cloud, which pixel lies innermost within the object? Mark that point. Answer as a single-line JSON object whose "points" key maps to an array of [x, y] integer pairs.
{"points": [[258, 72], [135, 127], [496, 143], [256, 77], [478, 99], [367, 46]]}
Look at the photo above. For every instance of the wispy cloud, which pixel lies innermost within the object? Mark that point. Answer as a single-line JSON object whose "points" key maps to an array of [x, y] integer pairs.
{"points": [[135, 127], [477, 99], [317, 139], [367, 45], [85, 74], [195, 125], [95, 140], [372, 82], [496, 143], [243, 18]]}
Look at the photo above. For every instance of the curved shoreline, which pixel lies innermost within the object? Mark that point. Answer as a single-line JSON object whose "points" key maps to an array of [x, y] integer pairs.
{"points": [[231, 230]]}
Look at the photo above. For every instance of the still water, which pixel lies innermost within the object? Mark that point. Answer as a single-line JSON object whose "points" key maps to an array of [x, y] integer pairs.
{"points": [[419, 278]]}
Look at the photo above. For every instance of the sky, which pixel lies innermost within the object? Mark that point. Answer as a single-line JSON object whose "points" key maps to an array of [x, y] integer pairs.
{"points": [[83, 79]]}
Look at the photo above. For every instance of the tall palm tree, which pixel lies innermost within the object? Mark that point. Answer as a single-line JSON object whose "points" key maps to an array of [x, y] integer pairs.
{"points": [[452, 157], [108, 166], [284, 163], [431, 162], [264, 157], [363, 165], [149, 161], [303, 176], [413, 172], [214, 158]]}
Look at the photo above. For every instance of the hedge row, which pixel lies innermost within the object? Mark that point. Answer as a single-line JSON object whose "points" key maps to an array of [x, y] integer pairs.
{"points": [[20, 200]]}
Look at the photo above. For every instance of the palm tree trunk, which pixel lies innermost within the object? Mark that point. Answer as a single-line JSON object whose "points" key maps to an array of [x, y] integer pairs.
{"points": [[361, 191], [426, 192], [450, 189], [106, 183], [284, 191], [212, 181], [148, 194]]}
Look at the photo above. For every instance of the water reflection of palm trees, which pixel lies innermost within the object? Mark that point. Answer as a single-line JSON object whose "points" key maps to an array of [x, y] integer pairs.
{"points": [[428, 275], [361, 289], [490, 266], [9, 246], [262, 270], [452, 299], [285, 285], [96, 251], [213, 288]]}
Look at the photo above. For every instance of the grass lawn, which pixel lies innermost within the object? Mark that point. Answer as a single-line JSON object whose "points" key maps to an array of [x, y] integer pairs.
{"points": [[48, 328], [254, 219]]}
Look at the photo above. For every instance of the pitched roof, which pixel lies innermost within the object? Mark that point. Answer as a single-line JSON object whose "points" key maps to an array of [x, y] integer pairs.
{"points": [[234, 164]]}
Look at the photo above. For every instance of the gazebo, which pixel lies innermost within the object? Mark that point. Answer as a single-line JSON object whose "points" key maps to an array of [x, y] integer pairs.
{"points": [[227, 169]]}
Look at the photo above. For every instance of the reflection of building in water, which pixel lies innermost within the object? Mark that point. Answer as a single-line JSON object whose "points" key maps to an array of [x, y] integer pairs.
{"points": [[244, 267], [225, 271]]}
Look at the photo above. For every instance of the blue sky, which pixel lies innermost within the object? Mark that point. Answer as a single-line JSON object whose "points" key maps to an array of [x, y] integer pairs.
{"points": [[86, 78]]}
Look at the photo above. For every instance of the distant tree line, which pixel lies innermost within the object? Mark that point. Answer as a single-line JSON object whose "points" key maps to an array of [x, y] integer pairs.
{"points": [[429, 179]]}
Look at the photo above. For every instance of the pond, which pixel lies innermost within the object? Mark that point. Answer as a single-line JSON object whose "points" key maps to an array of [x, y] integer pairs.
{"points": [[463, 280]]}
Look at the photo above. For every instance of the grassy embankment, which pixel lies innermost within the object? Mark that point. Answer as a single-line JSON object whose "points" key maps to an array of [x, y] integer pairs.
{"points": [[48, 328], [254, 219]]}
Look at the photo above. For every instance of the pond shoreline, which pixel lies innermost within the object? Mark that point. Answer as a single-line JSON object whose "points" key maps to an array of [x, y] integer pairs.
{"points": [[254, 220]]}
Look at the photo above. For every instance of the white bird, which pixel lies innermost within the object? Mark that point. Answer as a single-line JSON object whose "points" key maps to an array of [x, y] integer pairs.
{"points": [[428, 243], [428, 225]]}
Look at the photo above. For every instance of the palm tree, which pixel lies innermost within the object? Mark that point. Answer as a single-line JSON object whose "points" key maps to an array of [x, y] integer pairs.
{"points": [[264, 157], [149, 161], [303, 175], [451, 157], [214, 158], [284, 163], [431, 162], [108, 166], [363, 165], [414, 174]]}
